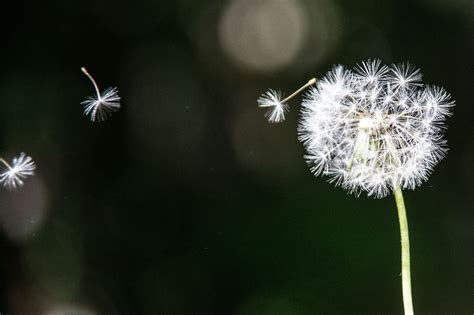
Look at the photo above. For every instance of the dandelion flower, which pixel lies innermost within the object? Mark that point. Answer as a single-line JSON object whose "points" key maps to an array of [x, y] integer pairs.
{"points": [[374, 128], [21, 167], [102, 105]]}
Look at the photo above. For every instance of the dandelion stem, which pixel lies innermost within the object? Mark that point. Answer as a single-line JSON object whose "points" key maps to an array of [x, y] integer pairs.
{"points": [[405, 243], [5, 163], [84, 70], [312, 81]]}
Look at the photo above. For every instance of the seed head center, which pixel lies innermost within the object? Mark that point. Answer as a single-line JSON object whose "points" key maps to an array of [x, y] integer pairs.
{"points": [[368, 123]]}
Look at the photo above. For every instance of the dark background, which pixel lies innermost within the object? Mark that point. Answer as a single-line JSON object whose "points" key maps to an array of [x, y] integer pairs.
{"points": [[187, 201]]}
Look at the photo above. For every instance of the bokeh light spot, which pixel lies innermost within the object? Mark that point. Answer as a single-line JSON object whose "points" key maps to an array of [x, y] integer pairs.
{"points": [[263, 35], [55, 260], [23, 210], [69, 309]]}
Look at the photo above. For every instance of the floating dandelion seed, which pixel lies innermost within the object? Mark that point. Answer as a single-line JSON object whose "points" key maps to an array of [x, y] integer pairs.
{"points": [[376, 129], [21, 167], [277, 108], [102, 105]]}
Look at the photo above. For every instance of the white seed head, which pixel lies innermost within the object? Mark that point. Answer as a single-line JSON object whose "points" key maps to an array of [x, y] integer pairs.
{"points": [[21, 167], [103, 105], [276, 108], [374, 127]]}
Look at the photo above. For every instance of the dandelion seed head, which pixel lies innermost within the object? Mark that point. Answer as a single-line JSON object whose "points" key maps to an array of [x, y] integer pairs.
{"points": [[21, 167], [374, 127]]}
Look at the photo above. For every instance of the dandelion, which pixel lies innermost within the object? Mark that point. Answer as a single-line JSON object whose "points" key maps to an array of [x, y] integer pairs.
{"points": [[376, 129], [102, 105], [21, 167]]}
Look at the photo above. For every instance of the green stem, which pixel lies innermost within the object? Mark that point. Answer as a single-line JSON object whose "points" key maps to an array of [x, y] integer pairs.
{"points": [[405, 242]]}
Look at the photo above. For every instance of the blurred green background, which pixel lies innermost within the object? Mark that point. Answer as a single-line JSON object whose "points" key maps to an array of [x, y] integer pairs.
{"points": [[187, 201]]}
